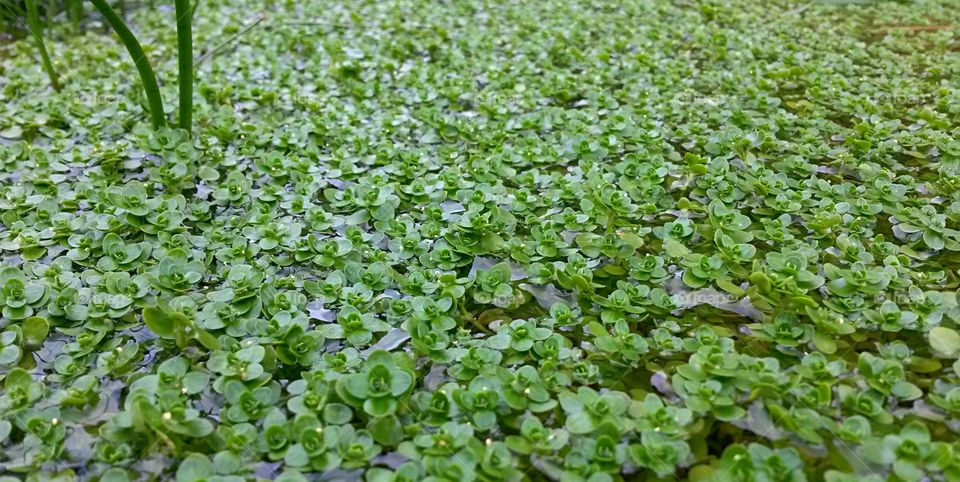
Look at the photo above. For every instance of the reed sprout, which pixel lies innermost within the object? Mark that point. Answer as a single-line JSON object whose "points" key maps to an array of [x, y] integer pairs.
{"points": [[149, 79], [36, 30], [184, 14]]}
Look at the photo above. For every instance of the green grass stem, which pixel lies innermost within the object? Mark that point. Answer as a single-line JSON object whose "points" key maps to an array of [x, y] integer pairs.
{"points": [[184, 14], [33, 22], [150, 86]]}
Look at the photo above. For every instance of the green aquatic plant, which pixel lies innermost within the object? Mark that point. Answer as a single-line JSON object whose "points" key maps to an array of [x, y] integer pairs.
{"points": [[140, 60], [36, 29], [184, 13], [584, 241]]}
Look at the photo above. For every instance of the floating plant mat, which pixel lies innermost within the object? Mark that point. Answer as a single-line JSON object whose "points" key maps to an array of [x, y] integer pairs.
{"points": [[480, 241]]}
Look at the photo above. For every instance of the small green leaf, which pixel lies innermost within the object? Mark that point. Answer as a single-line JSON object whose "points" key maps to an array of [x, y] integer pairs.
{"points": [[35, 330], [195, 468], [945, 342], [296, 456], [9, 354], [195, 382], [159, 322], [337, 413], [387, 431], [206, 339]]}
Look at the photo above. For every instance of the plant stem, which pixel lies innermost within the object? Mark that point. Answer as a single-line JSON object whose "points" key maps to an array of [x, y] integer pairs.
{"points": [[228, 41], [75, 8], [50, 11], [150, 87], [33, 21], [185, 61]]}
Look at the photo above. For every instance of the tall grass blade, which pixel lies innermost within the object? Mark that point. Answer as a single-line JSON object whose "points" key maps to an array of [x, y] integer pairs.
{"points": [[75, 8], [185, 61], [33, 22], [228, 41], [51, 10], [150, 87]]}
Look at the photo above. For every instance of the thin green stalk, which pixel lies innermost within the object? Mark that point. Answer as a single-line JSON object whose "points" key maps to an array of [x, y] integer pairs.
{"points": [[150, 87], [50, 12], [75, 8], [228, 41], [185, 61], [33, 21]]}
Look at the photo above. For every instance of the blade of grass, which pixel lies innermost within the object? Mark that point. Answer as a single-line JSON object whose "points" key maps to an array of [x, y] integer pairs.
{"points": [[185, 61], [33, 21], [150, 87], [75, 8], [229, 41], [50, 12]]}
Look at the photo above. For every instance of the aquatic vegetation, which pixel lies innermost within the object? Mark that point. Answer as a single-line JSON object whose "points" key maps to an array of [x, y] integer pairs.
{"points": [[483, 241], [139, 57]]}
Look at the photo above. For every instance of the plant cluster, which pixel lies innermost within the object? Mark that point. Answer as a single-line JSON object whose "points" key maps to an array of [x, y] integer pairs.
{"points": [[473, 241]]}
